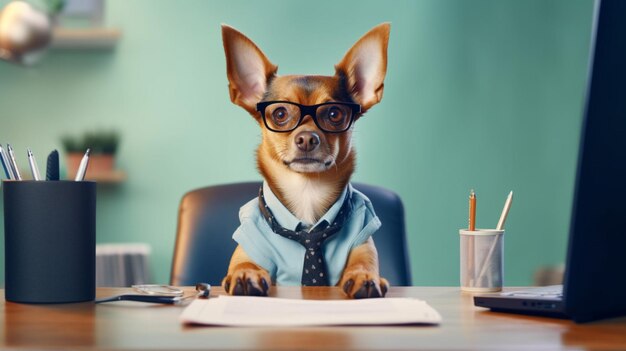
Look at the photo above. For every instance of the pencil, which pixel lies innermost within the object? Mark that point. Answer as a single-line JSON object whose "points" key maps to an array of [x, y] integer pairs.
{"points": [[470, 245], [472, 211]]}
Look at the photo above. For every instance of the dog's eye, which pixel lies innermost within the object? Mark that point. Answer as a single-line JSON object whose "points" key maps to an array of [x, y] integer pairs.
{"points": [[280, 115], [336, 115]]}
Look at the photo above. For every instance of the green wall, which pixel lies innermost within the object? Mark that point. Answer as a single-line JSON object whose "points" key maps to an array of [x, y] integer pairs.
{"points": [[479, 94]]}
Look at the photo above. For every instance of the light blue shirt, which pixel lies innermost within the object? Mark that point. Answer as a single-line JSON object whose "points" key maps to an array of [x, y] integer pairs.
{"points": [[283, 258]]}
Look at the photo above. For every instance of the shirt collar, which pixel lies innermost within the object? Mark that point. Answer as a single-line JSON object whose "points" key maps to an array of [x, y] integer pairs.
{"points": [[287, 220]]}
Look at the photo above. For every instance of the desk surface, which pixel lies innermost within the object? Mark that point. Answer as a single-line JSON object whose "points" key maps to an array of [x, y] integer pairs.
{"points": [[124, 325]]}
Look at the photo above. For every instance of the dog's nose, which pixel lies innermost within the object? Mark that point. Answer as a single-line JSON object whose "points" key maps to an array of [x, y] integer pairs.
{"points": [[307, 141]]}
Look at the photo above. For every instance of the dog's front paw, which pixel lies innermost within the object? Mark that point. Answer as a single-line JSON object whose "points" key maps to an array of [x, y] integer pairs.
{"points": [[247, 280], [363, 285]]}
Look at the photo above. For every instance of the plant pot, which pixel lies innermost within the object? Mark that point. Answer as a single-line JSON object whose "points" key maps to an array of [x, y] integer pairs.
{"points": [[98, 164]]}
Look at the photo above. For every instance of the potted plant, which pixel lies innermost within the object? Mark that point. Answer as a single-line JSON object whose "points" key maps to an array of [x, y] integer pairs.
{"points": [[103, 145]]}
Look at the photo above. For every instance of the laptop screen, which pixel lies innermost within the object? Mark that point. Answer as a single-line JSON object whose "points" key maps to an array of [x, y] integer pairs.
{"points": [[595, 282]]}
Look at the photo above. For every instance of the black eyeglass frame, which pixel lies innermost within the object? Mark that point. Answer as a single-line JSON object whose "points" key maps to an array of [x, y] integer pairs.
{"points": [[310, 110]]}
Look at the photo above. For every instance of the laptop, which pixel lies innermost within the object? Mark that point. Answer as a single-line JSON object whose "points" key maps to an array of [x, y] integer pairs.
{"points": [[594, 285]]}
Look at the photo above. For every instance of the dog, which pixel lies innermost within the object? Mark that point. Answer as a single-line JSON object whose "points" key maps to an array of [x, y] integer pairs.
{"points": [[306, 158]]}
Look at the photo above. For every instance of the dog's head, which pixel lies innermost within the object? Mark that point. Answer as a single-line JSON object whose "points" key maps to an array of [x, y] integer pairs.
{"points": [[306, 120]]}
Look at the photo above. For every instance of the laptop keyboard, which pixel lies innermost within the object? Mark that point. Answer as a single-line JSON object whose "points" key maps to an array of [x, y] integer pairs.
{"points": [[552, 291]]}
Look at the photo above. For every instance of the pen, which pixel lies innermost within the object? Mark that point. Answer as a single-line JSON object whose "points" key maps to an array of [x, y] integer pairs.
{"points": [[505, 211], [82, 169], [52, 167], [6, 164], [472, 211], [33, 165], [16, 171]]}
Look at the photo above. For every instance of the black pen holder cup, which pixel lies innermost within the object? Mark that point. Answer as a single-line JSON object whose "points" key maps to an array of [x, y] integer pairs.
{"points": [[50, 241]]}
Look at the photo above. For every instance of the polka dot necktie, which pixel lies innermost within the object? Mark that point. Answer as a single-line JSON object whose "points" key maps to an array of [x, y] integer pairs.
{"points": [[314, 271]]}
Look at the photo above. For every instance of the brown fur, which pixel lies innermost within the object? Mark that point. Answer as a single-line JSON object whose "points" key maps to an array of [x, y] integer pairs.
{"points": [[307, 193]]}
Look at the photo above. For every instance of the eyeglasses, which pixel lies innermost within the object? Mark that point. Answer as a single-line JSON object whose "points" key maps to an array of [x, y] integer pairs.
{"points": [[154, 293], [156, 289], [285, 116]]}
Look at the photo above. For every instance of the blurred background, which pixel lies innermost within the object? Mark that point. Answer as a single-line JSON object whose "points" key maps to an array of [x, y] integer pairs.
{"points": [[483, 94]]}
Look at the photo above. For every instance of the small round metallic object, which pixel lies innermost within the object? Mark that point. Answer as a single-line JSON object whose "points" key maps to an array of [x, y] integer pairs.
{"points": [[203, 290]]}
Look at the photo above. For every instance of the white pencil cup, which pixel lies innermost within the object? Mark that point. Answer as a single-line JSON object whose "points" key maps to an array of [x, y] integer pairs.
{"points": [[482, 260]]}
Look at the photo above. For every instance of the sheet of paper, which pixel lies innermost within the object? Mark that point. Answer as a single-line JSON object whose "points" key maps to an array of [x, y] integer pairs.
{"points": [[270, 311]]}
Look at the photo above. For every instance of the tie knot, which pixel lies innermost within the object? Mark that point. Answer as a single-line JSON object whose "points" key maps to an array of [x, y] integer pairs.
{"points": [[312, 239]]}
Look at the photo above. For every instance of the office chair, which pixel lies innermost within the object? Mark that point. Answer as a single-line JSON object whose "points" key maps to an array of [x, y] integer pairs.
{"points": [[208, 217]]}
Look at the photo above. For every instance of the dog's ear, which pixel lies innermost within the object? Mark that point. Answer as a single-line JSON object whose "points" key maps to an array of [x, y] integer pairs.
{"points": [[247, 68], [365, 66]]}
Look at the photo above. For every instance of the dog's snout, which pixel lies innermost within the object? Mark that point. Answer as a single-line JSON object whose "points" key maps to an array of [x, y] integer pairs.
{"points": [[307, 141]]}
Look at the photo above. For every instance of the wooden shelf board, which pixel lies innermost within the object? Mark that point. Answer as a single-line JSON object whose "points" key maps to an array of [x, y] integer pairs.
{"points": [[85, 38], [116, 176]]}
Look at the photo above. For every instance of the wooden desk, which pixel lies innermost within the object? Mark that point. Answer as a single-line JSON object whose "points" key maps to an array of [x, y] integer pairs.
{"points": [[124, 325]]}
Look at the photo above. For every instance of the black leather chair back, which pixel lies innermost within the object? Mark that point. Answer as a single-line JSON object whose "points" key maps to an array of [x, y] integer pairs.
{"points": [[208, 217]]}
